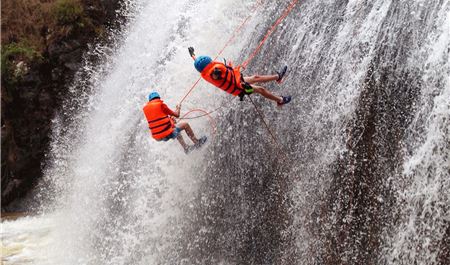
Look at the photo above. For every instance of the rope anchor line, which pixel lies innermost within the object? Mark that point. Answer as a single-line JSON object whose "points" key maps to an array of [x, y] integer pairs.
{"points": [[227, 43], [274, 138], [269, 32]]}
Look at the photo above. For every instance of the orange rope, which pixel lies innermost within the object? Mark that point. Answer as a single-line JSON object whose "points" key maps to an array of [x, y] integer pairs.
{"points": [[274, 138], [212, 122], [286, 12], [190, 90], [231, 39], [216, 109], [238, 29]]}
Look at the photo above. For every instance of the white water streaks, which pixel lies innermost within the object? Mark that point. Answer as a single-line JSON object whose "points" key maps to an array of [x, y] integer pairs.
{"points": [[370, 88], [424, 188], [334, 49], [23, 240], [117, 193]]}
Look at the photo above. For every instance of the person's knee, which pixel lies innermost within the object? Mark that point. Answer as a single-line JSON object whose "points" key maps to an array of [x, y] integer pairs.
{"points": [[182, 125], [258, 89], [251, 79]]}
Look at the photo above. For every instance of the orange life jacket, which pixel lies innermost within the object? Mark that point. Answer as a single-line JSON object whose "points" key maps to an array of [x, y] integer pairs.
{"points": [[230, 79], [160, 124]]}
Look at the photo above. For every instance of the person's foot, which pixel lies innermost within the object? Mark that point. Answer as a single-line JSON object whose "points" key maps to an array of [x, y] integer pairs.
{"points": [[200, 141], [286, 99], [281, 74], [188, 149]]}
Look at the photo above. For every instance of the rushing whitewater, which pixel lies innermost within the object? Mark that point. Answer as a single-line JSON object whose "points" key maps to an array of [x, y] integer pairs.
{"points": [[362, 175]]}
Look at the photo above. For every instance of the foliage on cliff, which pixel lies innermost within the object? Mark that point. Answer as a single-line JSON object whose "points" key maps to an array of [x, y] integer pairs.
{"points": [[43, 42]]}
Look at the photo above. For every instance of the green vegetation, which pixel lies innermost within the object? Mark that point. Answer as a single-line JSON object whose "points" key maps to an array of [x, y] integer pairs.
{"points": [[68, 12], [13, 53], [29, 27]]}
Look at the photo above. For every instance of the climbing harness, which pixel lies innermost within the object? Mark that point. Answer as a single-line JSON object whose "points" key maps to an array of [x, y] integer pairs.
{"points": [[224, 77], [285, 13], [247, 89], [229, 41]]}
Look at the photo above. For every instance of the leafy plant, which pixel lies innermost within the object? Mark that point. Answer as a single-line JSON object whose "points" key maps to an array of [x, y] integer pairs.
{"points": [[68, 12], [13, 53]]}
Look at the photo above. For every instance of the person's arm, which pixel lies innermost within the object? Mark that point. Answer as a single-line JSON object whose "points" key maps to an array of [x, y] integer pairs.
{"points": [[170, 112], [191, 52]]}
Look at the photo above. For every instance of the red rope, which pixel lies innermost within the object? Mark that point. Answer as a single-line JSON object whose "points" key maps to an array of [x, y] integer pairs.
{"points": [[286, 12], [190, 90], [208, 113], [274, 138], [212, 122], [229, 41], [238, 29]]}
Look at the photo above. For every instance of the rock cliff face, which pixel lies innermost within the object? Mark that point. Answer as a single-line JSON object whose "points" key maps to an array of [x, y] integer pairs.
{"points": [[43, 43]]}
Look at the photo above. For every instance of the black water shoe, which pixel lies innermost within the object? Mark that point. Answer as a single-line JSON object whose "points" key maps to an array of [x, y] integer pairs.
{"points": [[281, 74], [286, 100]]}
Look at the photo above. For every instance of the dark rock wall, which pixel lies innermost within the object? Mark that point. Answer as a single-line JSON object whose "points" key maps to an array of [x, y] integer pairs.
{"points": [[29, 103]]}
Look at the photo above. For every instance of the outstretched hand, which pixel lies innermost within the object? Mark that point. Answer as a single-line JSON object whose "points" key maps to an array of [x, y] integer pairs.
{"points": [[191, 52]]}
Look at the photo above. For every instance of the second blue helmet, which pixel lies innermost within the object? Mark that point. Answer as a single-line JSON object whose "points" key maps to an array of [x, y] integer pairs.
{"points": [[201, 62], [153, 95]]}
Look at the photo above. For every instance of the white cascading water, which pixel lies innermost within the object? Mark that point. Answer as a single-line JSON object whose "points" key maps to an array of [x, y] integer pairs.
{"points": [[112, 161], [112, 195], [424, 188]]}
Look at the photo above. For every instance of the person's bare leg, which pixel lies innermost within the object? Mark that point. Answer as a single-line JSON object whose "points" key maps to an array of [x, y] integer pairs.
{"points": [[260, 78], [182, 142], [185, 126], [266, 93]]}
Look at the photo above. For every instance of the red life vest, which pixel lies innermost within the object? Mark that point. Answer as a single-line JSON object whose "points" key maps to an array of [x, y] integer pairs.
{"points": [[160, 124], [230, 79]]}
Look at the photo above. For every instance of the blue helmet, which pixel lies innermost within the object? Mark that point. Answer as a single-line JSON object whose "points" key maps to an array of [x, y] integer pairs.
{"points": [[201, 62], [153, 95]]}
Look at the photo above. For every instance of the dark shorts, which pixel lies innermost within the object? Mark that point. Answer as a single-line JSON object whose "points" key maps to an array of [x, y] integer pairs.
{"points": [[248, 89], [173, 135]]}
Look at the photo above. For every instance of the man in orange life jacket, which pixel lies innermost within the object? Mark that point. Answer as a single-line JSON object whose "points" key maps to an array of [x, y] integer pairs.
{"points": [[162, 126], [231, 80]]}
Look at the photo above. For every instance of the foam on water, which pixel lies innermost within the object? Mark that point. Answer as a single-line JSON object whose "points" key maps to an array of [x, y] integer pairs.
{"points": [[112, 195], [116, 192]]}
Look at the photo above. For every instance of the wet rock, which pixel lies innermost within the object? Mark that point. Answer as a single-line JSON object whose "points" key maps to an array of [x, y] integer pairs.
{"points": [[21, 69], [30, 102]]}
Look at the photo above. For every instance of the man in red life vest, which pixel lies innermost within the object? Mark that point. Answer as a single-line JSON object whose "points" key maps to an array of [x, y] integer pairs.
{"points": [[230, 79], [162, 126]]}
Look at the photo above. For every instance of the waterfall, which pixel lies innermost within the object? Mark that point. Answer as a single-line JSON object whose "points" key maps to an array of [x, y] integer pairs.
{"points": [[361, 174]]}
